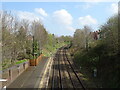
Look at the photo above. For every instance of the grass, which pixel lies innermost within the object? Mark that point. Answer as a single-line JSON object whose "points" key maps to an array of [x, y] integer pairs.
{"points": [[21, 61], [89, 79], [49, 49], [8, 63]]}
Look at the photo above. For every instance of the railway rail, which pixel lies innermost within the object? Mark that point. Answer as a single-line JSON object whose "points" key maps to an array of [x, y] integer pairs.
{"points": [[64, 74]]}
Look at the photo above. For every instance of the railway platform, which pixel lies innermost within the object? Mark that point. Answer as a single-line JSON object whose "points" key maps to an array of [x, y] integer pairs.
{"points": [[31, 77]]}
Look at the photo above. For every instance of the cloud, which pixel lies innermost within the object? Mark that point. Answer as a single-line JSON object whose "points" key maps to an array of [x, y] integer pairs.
{"points": [[32, 16], [63, 19], [41, 11], [87, 20], [114, 8], [28, 16], [90, 3]]}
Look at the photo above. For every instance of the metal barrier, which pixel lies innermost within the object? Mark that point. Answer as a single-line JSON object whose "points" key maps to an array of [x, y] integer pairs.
{"points": [[13, 72]]}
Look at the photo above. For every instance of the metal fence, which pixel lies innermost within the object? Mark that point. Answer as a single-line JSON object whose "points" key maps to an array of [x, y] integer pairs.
{"points": [[13, 72]]}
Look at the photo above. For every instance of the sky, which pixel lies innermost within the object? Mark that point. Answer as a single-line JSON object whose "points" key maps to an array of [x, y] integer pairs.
{"points": [[63, 18]]}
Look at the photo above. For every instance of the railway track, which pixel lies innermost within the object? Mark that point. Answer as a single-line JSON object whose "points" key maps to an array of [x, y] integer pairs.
{"points": [[64, 74]]}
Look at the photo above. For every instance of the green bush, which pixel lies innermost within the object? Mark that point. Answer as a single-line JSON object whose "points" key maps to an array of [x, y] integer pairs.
{"points": [[107, 64], [21, 56]]}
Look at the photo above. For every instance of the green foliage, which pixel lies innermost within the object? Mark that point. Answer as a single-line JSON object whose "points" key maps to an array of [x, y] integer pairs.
{"points": [[6, 63], [22, 55], [103, 55], [89, 58], [22, 39], [51, 49]]}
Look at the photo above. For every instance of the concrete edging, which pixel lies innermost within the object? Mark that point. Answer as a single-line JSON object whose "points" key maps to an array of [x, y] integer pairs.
{"points": [[46, 74]]}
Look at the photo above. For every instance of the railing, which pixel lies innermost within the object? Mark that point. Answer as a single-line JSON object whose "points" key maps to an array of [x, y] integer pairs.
{"points": [[2, 80], [13, 72]]}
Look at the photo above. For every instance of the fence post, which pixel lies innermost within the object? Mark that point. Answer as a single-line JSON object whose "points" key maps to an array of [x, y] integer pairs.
{"points": [[24, 65], [10, 74], [18, 68]]}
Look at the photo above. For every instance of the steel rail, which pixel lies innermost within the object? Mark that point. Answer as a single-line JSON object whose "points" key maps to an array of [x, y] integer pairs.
{"points": [[74, 71], [68, 71]]}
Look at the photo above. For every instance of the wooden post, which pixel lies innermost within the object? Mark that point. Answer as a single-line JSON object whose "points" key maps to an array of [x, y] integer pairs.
{"points": [[10, 74], [24, 66]]}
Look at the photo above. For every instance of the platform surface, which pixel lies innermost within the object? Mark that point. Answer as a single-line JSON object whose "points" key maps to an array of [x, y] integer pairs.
{"points": [[31, 77]]}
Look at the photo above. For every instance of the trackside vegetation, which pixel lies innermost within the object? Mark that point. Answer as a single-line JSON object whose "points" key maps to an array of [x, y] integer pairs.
{"points": [[101, 55]]}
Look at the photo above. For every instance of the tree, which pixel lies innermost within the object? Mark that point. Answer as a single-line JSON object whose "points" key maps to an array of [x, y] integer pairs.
{"points": [[87, 31], [39, 33], [110, 34], [82, 37]]}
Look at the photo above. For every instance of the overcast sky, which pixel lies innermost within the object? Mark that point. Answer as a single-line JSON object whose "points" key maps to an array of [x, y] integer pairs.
{"points": [[63, 18]]}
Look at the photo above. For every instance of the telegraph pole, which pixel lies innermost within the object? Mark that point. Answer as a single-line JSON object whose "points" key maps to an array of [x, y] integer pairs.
{"points": [[33, 46]]}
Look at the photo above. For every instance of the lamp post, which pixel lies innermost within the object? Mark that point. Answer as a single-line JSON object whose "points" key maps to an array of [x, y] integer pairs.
{"points": [[33, 50], [53, 43], [33, 46]]}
